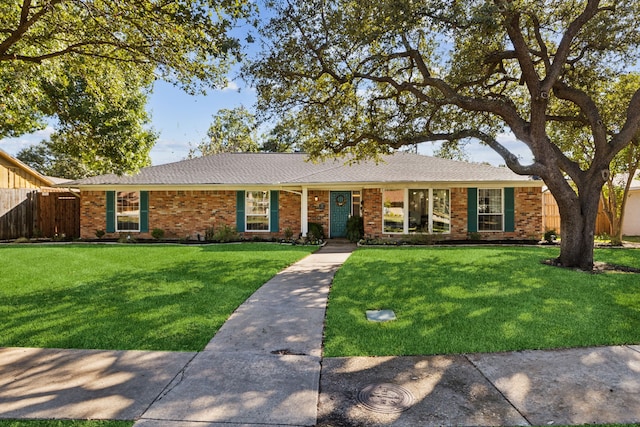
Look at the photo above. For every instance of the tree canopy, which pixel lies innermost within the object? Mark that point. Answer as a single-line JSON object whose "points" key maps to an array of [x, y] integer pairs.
{"points": [[364, 78], [232, 131], [53, 50]]}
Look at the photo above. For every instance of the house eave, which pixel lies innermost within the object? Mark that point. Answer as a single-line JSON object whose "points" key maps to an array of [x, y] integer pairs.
{"points": [[312, 185]]}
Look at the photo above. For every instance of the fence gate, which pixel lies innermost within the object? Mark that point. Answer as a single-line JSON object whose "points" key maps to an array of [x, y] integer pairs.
{"points": [[59, 214]]}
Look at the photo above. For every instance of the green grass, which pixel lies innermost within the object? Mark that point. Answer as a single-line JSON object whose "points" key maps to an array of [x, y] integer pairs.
{"points": [[125, 297], [461, 299], [63, 423]]}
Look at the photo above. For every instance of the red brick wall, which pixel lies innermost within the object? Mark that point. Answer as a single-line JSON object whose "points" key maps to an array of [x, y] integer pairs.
{"points": [[318, 211], [372, 211], [185, 214], [528, 215]]}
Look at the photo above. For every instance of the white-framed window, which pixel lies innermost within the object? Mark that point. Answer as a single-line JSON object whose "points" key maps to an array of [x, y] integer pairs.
{"points": [[416, 210], [257, 205], [490, 209], [128, 211], [393, 211]]}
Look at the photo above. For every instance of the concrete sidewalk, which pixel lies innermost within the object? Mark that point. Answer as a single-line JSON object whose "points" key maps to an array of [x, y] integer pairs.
{"points": [[264, 368]]}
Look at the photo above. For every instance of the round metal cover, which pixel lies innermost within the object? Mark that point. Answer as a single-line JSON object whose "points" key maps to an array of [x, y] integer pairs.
{"points": [[385, 398]]}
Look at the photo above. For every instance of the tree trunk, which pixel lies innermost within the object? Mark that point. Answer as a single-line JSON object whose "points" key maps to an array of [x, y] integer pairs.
{"points": [[578, 221]]}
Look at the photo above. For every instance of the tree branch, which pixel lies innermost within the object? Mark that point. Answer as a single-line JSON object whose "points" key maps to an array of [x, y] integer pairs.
{"points": [[564, 48], [25, 24]]}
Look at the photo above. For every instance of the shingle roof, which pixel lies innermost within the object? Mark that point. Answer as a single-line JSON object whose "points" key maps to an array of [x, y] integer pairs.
{"points": [[296, 169]]}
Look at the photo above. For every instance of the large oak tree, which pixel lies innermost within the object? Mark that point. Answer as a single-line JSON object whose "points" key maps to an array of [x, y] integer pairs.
{"points": [[363, 78]]}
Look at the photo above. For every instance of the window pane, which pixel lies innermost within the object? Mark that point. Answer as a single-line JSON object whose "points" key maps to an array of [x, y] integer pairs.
{"points": [[490, 201], [355, 203], [490, 222], [128, 201], [257, 210], [490, 210], [257, 223], [393, 211], [419, 211], [441, 214], [257, 203], [128, 223], [128, 211]]}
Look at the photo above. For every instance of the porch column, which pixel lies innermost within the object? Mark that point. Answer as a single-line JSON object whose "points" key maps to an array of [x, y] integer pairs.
{"points": [[304, 212]]}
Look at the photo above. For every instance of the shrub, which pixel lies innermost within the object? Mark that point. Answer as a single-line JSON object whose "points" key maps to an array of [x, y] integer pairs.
{"points": [[315, 230], [157, 233], [288, 234], [474, 236], [550, 236], [22, 240], [209, 234], [126, 238], [355, 228], [225, 234], [100, 233]]}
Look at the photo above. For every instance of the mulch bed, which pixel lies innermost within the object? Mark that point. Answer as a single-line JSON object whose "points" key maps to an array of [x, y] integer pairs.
{"points": [[598, 267]]}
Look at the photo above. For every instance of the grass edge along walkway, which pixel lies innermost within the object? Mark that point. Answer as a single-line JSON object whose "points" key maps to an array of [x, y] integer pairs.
{"points": [[130, 297], [478, 299]]}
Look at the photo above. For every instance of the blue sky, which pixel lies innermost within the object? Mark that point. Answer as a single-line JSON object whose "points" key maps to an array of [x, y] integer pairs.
{"points": [[182, 121]]}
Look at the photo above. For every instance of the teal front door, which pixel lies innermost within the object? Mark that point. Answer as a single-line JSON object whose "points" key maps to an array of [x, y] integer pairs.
{"points": [[340, 211]]}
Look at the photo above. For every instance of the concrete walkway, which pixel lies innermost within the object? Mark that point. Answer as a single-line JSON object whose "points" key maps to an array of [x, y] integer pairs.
{"points": [[263, 365], [263, 368]]}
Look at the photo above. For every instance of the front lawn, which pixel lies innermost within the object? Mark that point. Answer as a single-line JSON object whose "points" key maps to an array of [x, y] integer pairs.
{"points": [[129, 297], [479, 299]]}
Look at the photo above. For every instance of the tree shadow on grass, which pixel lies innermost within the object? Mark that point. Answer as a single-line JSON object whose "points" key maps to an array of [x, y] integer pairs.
{"points": [[177, 308], [504, 301]]}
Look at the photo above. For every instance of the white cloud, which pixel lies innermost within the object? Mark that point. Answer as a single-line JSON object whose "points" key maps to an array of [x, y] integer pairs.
{"points": [[13, 145], [231, 86]]}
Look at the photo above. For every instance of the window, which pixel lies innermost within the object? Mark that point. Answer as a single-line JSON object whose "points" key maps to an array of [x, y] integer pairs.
{"points": [[393, 211], [427, 211], [128, 211], [418, 211], [490, 210], [355, 203], [257, 210], [441, 217]]}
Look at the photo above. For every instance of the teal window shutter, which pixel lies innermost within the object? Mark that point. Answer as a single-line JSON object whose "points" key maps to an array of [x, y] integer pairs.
{"points": [[274, 222], [509, 209], [144, 211], [240, 211], [472, 210], [111, 211]]}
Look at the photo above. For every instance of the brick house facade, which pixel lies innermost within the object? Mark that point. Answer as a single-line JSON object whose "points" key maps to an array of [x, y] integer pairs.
{"points": [[186, 210]]}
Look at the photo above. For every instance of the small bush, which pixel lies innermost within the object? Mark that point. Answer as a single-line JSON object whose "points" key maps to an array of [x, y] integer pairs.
{"points": [[225, 234], [126, 238], [288, 234], [100, 233], [315, 230], [474, 236], [209, 234], [550, 236], [355, 228], [22, 240], [157, 233]]}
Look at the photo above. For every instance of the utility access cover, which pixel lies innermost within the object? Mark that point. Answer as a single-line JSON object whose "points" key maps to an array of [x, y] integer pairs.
{"points": [[385, 398], [380, 315]]}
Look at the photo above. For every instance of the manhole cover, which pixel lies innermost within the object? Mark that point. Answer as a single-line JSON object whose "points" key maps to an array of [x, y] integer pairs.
{"points": [[385, 398]]}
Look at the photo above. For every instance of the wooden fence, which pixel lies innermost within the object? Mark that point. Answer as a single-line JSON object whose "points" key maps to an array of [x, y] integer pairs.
{"points": [[18, 212], [29, 213], [551, 216]]}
